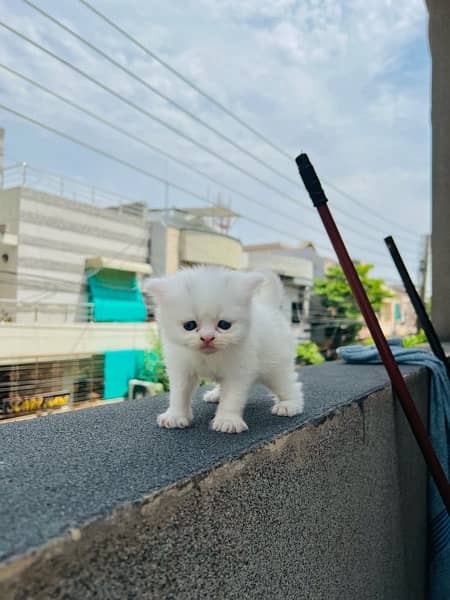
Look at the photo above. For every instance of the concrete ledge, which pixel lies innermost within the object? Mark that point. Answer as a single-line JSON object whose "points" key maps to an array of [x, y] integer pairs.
{"points": [[103, 504]]}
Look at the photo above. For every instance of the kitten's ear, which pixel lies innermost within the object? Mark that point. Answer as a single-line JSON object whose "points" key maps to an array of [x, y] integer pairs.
{"points": [[252, 281], [156, 287]]}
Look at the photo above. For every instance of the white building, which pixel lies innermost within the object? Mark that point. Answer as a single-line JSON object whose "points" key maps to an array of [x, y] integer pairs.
{"points": [[189, 237], [296, 274], [72, 316], [50, 244]]}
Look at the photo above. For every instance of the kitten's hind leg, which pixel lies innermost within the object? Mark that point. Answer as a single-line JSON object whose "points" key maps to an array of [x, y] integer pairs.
{"points": [[288, 392], [212, 395]]}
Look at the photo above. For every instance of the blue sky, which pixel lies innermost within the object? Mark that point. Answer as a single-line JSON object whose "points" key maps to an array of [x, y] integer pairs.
{"points": [[348, 81]]}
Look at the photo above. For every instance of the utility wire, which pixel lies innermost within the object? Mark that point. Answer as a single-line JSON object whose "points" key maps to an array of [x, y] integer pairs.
{"points": [[136, 168], [186, 80], [154, 148], [153, 117], [185, 164], [155, 90], [197, 119], [145, 172], [159, 178], [232, 114]]}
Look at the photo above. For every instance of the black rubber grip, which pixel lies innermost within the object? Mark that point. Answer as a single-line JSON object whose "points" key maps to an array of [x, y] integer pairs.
{"points": [[310, 180]]}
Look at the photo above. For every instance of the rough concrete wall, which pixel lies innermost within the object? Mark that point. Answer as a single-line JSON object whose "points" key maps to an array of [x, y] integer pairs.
{"points": [[2, 154], [439, 33], [328, 511]]}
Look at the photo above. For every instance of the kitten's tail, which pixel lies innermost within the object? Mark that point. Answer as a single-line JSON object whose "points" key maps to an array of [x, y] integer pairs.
{"points": [[271, 290]]}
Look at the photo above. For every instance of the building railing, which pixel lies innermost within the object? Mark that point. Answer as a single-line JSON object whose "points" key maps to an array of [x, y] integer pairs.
{"points": [[36, 384], [15, 311], [24, 175]]}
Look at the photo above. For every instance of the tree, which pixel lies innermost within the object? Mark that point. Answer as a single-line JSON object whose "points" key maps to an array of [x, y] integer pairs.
{"points": [[340, 318]]}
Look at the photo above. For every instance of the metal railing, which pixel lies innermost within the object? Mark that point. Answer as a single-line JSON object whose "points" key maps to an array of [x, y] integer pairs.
{"points": [[39, 384], [15, 311], [24, 175]]}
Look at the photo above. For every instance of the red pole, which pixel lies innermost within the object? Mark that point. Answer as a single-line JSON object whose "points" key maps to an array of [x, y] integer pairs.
{"points": [[319, 200]]}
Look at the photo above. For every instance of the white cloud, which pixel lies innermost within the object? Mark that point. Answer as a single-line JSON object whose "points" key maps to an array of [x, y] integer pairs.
{"points": [[325, 76]]}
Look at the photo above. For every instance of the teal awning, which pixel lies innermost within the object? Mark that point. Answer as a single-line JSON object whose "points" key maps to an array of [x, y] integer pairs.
{"points": [[116, 296]]}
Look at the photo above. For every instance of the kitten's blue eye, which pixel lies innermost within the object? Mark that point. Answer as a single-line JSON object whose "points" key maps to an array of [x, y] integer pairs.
{"points": [[224, 325], [190, 325]]}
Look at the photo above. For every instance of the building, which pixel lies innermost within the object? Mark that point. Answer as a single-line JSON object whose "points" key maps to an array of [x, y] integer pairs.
{"points": [[397, 315], [53, 247], [297, 275], [439, 18], [181, 238], [73, 319]]}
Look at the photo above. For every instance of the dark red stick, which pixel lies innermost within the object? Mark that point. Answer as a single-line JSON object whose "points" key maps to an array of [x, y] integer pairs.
{"points": [[319, 199]]}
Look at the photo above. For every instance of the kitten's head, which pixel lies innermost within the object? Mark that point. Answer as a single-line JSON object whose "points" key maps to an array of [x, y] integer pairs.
{"points": [[205, 308]]}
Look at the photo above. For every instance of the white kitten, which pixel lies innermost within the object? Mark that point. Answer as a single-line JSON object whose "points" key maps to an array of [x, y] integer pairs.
{"points": [[226, 326]]}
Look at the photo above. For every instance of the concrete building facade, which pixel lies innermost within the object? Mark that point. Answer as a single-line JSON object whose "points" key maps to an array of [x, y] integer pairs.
{"points": [[48, 242], [70, 299], [297, 275], [183, 238], [439, 36]]}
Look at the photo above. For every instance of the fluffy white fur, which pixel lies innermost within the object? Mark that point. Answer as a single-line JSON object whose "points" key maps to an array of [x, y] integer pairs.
{"points": [[258, 346]]}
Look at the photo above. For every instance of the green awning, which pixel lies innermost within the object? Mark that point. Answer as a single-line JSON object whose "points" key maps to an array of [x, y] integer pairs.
{"points": [[116, 296]]}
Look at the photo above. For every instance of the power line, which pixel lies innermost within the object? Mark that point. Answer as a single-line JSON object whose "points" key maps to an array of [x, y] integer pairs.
{"points": [[229, 112], [136, 168], [142, 171], [153, 117], [153, 89], [57, 176], [393, 225], [203, 123], [186, 80], [152, 147]]}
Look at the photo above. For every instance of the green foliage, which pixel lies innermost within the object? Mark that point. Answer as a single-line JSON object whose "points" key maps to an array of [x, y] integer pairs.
{"points": [[337, 299], [337, 296], [308, 354], [414, 340], [154, 368]]}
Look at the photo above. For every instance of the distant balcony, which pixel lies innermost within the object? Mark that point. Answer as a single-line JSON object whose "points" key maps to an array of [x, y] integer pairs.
{"points": [[297, 269], [210, 248], [24, 312], [43, 329], [27, 176]]}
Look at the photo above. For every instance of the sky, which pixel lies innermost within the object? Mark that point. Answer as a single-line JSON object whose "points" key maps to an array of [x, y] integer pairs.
{"points": [[347, 81]]}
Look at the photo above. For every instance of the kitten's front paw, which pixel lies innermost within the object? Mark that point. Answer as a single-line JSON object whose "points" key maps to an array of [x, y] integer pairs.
{"points": [[287, 408], [229, 424], [212, 395], [171, 421]]}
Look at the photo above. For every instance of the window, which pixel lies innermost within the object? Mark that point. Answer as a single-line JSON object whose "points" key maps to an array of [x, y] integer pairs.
{"points": [[296, 312]]}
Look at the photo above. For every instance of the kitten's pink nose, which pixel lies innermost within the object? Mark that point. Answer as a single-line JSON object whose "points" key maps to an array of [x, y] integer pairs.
{"points": [[207, 339]]}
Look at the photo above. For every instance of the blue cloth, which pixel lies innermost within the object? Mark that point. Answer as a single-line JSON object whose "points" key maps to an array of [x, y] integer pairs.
{"points": [[439, 430]]}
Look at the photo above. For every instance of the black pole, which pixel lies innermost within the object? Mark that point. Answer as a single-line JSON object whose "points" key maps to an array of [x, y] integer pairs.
{"points": [[416, 301], [319, 199]]}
